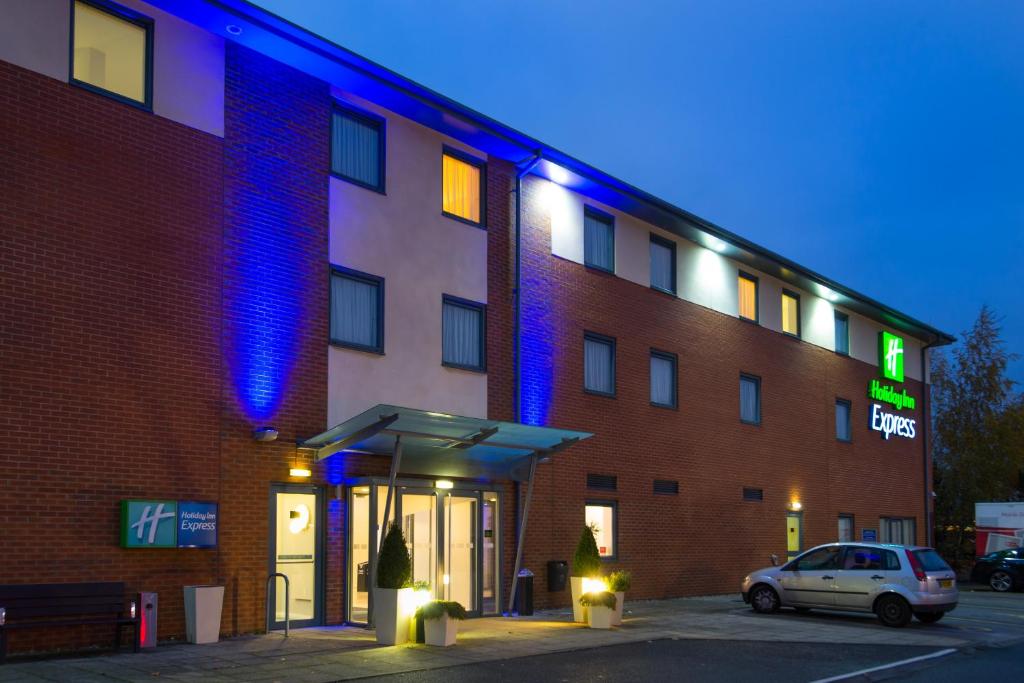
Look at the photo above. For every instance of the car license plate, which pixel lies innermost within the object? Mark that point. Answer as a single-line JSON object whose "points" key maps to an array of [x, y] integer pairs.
{"points": [[946, 583]]}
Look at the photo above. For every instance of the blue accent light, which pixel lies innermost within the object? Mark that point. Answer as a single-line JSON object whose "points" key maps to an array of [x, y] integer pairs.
{"points": [[537, 331]]}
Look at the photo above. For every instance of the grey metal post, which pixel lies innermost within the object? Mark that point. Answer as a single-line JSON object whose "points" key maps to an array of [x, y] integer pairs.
{"points": [[396, 459], [287, 602], [522, 534]]}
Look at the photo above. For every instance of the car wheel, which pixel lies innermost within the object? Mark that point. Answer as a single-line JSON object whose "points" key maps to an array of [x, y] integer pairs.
{"points": [[1000, 581], [764, 599], [802, 610], [928, 617], [892, 610]]}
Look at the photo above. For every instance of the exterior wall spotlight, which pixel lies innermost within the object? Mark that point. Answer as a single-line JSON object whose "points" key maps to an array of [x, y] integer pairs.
{"points": [[264, 434]]}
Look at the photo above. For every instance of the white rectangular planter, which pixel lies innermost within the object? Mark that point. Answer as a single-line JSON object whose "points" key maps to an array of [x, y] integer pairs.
{"points": [[440, 632], [579, 612], [391, 608], [620, 598], [600, 617], [203, 606]]}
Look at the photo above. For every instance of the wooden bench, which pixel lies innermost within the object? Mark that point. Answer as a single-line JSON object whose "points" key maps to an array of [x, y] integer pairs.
{"points": [[49, 605]]}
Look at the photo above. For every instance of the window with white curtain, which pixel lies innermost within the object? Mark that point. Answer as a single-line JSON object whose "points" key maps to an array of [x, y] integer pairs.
{"points": [[599, 364], [663, 379], [357, 310], [898, 530], [357, 148], [750, 399], [843, 432], [598, 240], [845, 528], [462, 334], [663, 264]]}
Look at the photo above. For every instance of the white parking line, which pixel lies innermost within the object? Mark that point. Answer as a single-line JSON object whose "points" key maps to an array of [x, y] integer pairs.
{"points": [[892, 665]]}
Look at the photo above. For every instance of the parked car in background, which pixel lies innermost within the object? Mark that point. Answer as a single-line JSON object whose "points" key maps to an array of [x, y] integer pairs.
{"points": [[894, 582], [1002, 570]]}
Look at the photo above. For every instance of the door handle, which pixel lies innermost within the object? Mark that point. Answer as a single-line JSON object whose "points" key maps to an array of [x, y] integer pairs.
{"points": [[827, 578], [877, 577]]}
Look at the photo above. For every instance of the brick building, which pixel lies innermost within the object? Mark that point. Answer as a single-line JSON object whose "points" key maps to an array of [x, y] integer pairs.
{"points": [[214, 223]]}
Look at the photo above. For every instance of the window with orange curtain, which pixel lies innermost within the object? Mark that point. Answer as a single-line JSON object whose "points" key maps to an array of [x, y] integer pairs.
{"points": [[790, 313], [748, 297], [462, 181]]}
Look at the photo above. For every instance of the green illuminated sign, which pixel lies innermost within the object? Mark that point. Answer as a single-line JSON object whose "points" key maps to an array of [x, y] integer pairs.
{"points": [[890, 356], [886, 393]]}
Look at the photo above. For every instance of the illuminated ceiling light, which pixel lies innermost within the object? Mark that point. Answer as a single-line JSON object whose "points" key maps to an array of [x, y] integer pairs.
{"points": [[300, 472], [233, 29], [716, 244], [796, 506], [557, 174], [444, 484]]}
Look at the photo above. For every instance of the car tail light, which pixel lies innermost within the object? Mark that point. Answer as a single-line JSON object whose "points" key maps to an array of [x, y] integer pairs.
{"points": [[915, 564]]}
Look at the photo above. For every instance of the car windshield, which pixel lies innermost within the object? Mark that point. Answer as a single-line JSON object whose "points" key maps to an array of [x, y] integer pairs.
{"points": [[930, 561]]}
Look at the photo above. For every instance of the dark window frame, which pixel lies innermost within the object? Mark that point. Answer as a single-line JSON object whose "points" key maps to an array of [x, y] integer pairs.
{"points": [[757, 296], [371, 119], [602, 339], [473, 306], [671, 246], [674, 359], [608, 219], [674, 482], [757, 381], [368, 278], [849, 419], [753, 499], [125, 14], [799, 317], [835, 345], [481, 164], [614, 505], [595, 479]]}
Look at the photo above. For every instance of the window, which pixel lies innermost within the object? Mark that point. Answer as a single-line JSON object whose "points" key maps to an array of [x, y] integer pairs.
{"points": [[598, 240], [898, 530], [842, 333], [931, 561], [845, 528], [666, 487], [790, 313], [111, 51], [462, 187], [748, 297], [357, 148], [663, 264], [843, 432], [756, 495], [601, 518], [602, 482], [820, 559], [859, 558], [663, 379], [599, 364], [462, 334], [357, 310], [750, 399]]}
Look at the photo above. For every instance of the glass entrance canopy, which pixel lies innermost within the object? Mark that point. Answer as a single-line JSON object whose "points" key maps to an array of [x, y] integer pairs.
{"points": [[443, 445]]}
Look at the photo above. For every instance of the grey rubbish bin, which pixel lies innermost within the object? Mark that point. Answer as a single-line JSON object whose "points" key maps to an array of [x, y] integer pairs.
{"points": [[524, 593], [558, 575], [147, 619]]}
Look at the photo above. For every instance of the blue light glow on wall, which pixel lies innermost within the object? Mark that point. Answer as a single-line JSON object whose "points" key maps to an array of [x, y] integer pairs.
{"points": [[537, 333]]}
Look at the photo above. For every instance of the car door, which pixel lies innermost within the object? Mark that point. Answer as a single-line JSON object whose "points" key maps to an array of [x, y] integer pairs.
{"points": [[861, 574], [809, 580]]}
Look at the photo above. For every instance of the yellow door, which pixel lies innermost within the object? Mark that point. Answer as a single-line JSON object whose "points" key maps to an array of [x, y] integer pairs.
{"points": [[794, 534]]}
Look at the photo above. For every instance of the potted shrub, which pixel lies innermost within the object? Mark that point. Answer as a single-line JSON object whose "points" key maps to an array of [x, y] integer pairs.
{"points": [[440, 621], [600, 608], [393, 595], [618, 583], [586, 564]]}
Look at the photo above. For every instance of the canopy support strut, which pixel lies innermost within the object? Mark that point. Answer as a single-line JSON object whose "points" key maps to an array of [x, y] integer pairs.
{"points": [[396, 459], [522, 534]]}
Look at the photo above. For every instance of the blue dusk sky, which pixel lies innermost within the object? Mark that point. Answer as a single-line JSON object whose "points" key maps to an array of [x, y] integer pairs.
{"points": [[880, 143]]}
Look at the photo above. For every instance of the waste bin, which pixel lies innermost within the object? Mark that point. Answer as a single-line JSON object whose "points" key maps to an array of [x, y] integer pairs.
{"points": [[147, 619], [524, 593], [558, 574], [202, 613], [362, 572]]}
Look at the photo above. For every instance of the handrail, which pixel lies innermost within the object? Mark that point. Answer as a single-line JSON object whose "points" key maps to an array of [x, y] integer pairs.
{"points": [[287, 601]]}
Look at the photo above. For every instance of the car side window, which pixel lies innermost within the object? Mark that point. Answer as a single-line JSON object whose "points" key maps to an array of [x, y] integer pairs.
{"points": [[862, 558], [890, 560], [823, 558]]}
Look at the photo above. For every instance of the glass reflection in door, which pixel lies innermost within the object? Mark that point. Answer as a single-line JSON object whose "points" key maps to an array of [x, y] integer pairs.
{"points": [[459, 578], [419, 524], [489, 575], [359, 554]]}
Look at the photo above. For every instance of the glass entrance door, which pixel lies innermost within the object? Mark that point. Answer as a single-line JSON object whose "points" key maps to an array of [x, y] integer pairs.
{"points": [[295, 550], [459, 579]]}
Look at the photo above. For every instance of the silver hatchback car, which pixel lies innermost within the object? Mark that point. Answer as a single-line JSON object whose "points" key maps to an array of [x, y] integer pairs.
{"points": [[894, 582]]}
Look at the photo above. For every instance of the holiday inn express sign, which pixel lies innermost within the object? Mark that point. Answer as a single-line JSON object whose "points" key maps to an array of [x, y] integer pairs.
{"points": [[168, 524], [890, 367]]}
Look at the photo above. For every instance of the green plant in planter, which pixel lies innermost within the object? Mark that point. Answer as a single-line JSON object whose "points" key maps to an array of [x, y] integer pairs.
{"points": [[435, 609], [598, 599], [394, 567], [620, 581], [421, 585], [587, 560]]}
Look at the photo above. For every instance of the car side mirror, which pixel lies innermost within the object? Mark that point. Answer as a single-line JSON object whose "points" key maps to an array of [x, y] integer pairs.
{"points": [[775, 559]]}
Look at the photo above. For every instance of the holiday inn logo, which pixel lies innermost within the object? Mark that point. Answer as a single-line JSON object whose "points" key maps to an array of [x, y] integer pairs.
{"points": [[890, 356]]}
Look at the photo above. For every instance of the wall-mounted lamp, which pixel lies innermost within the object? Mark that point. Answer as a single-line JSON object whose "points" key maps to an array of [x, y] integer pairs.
{"points": [[300, 472], [264, 434], [444, 484], [233, 29], [796, 506]]}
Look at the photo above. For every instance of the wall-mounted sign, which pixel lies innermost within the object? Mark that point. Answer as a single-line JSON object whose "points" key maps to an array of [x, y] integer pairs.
{"points": [[869, 535], [890, 356], [890, 423], [887, 393], [168, 524]]}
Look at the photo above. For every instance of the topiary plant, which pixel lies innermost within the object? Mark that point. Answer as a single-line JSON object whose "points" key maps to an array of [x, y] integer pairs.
{"points": [[435, 609], [598, 599], [394, 567], [587, 560], [620, 581]]}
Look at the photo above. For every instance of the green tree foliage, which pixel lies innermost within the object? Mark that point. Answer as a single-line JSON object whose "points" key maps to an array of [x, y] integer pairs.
{"points": [[587, 560], [394, 569], [978, 435]]}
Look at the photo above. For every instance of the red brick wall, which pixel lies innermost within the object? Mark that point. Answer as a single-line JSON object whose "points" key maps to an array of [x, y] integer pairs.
{"points": [[110, 368], [705, 539]]}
